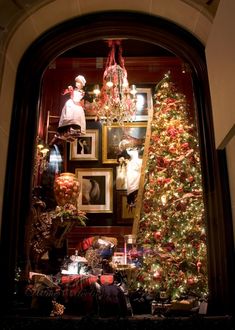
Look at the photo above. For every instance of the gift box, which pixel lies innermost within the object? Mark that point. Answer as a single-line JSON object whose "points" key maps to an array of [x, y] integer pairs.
{"points": [[184, 305]]}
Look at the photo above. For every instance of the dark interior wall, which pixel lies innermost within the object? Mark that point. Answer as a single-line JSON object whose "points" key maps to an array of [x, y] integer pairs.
{"points": [[142, 71], [17, 197]]}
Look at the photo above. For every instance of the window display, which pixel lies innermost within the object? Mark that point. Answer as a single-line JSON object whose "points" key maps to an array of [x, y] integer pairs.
{"points": [[171, 186]]}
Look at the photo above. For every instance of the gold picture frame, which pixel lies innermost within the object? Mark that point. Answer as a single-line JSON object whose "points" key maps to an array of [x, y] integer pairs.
{"points": [[96, 195], [125, 215], [90, 112], [88, 151], [113, 134]]}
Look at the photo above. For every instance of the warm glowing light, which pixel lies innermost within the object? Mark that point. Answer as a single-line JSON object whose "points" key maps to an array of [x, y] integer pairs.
{"points": [[45, 150], [96, 90], [109, 84]]}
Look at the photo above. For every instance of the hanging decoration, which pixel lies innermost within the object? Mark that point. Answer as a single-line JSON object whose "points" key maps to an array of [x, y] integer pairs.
{"points": [[116, 101]]}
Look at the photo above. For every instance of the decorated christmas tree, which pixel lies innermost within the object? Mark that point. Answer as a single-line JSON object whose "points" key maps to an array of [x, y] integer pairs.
{"points": [[171, 227]]}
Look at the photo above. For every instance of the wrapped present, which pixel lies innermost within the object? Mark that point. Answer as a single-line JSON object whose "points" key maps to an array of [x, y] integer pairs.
{"points": [[75, 265], [96, 242], [184, 305], [106, 279], [105, 246], [85, 244]]}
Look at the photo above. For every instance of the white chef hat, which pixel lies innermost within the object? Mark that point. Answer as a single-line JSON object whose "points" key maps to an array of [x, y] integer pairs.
{"points": [[81, 79]]}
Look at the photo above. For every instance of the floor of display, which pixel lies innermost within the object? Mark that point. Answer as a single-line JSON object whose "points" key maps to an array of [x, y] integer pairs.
{"points": [[136, 322], [25, 318]]}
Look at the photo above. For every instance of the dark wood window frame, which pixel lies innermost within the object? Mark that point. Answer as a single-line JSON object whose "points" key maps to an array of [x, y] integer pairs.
{"points": [[17, 195]]}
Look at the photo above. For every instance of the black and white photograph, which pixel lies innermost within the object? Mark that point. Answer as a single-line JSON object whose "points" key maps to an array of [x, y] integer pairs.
{"points": [[85, 147], [144, 103], [96, 195]]}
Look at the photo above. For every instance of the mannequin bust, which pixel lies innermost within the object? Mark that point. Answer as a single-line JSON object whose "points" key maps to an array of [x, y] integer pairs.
{"points": [[130, 156], [134, 165]]}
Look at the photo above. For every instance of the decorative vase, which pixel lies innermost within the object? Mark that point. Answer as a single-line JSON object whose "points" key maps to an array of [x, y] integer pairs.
{"points": [[66, 189]]}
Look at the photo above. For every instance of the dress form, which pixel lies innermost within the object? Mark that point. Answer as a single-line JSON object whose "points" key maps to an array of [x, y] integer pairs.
{"points": [[134, 165]]}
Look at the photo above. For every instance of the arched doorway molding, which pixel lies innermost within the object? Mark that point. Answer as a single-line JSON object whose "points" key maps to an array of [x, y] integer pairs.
{"points": [[78, 31]]}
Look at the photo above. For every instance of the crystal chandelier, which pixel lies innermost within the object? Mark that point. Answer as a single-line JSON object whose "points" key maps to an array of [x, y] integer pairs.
{"points": [[116, 101]]}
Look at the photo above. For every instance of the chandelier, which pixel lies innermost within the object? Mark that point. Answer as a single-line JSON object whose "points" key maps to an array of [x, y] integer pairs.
{"points": [[116, 101]]}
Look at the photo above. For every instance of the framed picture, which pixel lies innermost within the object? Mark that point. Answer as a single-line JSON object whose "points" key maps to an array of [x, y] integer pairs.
{"points": [[85, 147], [124, 213], [90, 113], [118, 258], [89, 109], [144, 103], [96, 194], [112, 136]]}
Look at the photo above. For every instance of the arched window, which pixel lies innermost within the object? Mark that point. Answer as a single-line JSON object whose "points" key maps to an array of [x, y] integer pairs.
{"points": [[143, 28]]}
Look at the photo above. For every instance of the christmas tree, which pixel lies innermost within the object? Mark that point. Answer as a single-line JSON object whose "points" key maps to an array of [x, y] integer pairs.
{"points": [[171, 226]]}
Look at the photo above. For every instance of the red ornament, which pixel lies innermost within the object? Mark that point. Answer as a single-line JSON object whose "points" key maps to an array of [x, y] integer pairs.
{"points": [[157, 235], [199, 264], [166, 161], [157, 275], [190, 280], [151, 190], [155, 138], [190, 178], [172, 131], [185, 145], [140, 278], [147, 208], [160, 180], [172, 149], [146, 240], [167, 180]]}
